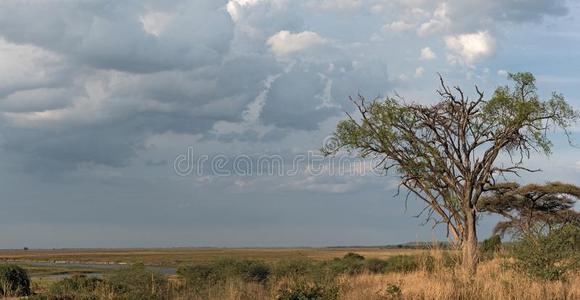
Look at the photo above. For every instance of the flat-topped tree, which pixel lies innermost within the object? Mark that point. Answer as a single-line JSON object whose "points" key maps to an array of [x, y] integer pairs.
{"points": [[446, 153], [533, 209]]}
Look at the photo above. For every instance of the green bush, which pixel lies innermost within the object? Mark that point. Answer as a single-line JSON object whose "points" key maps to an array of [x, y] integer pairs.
{"points": [[308, 291], [323, 273], [203, 275], [375, 265], [295, 268], [352, 265], [549, 257], [131, 283], [200, 275], [253, 271], [137, 282], [490, 247], [339, 266], [353, 256], [14, 281], [74, 288], [402, 263]]}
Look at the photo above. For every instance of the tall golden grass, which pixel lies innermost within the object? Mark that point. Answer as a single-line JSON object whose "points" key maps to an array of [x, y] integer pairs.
{"points": [[492, 281]]}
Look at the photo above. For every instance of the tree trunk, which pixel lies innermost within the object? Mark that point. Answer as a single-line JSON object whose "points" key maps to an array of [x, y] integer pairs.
{"points": [[469, 246]]}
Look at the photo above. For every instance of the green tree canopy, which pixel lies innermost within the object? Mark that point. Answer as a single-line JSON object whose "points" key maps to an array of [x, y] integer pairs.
{"points": [[446, 153]]}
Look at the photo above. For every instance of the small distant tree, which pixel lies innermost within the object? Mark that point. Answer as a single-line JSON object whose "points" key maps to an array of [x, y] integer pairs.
{"points": [[446, 153], [532, 209]]}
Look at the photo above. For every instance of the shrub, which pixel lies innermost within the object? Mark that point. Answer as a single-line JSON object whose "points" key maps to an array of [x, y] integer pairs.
{"points": [[355, 265], [339, 266], [353, 256], [351, 263], [14, 281], [549, 257], [490, 247], [402, 263], [137, 282], [392, 291], [204, 275], [253, 271], [199, 275], [76, 287], [294, 268], [375, 265], [308, 291]]}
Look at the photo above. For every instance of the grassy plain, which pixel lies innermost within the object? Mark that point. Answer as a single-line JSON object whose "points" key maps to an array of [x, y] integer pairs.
{"points": [[438, 281], [178, 256], [67, 261]]}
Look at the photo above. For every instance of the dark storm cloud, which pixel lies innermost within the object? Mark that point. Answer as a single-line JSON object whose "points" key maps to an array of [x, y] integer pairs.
{"points": [[176, 81], [288, 106], [527, 11], [118, 72], [110, 34], [115, 82], [34, 100], [473, 15]]}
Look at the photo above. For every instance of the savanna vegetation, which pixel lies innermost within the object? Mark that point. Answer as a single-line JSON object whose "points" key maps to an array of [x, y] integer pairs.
{"points": [[506, 272]]}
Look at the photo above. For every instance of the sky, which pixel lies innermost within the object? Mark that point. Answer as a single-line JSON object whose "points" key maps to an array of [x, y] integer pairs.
{"points": [[133, 123]]}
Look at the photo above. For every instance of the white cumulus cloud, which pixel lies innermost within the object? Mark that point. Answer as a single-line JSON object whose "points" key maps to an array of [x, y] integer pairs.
{"points": [[427, 54], [285, 43], [471, 47]]}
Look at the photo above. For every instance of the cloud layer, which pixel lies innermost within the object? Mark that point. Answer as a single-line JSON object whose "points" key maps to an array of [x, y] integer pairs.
{"points": [[98, 97]]}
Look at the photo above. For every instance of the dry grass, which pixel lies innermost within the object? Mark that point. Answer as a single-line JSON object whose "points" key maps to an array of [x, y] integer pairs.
{"points": [[491, 282]]}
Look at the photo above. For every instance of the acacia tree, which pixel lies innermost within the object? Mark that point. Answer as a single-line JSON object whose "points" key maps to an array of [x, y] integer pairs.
{"points": [[532, 209], [446, 154]]}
